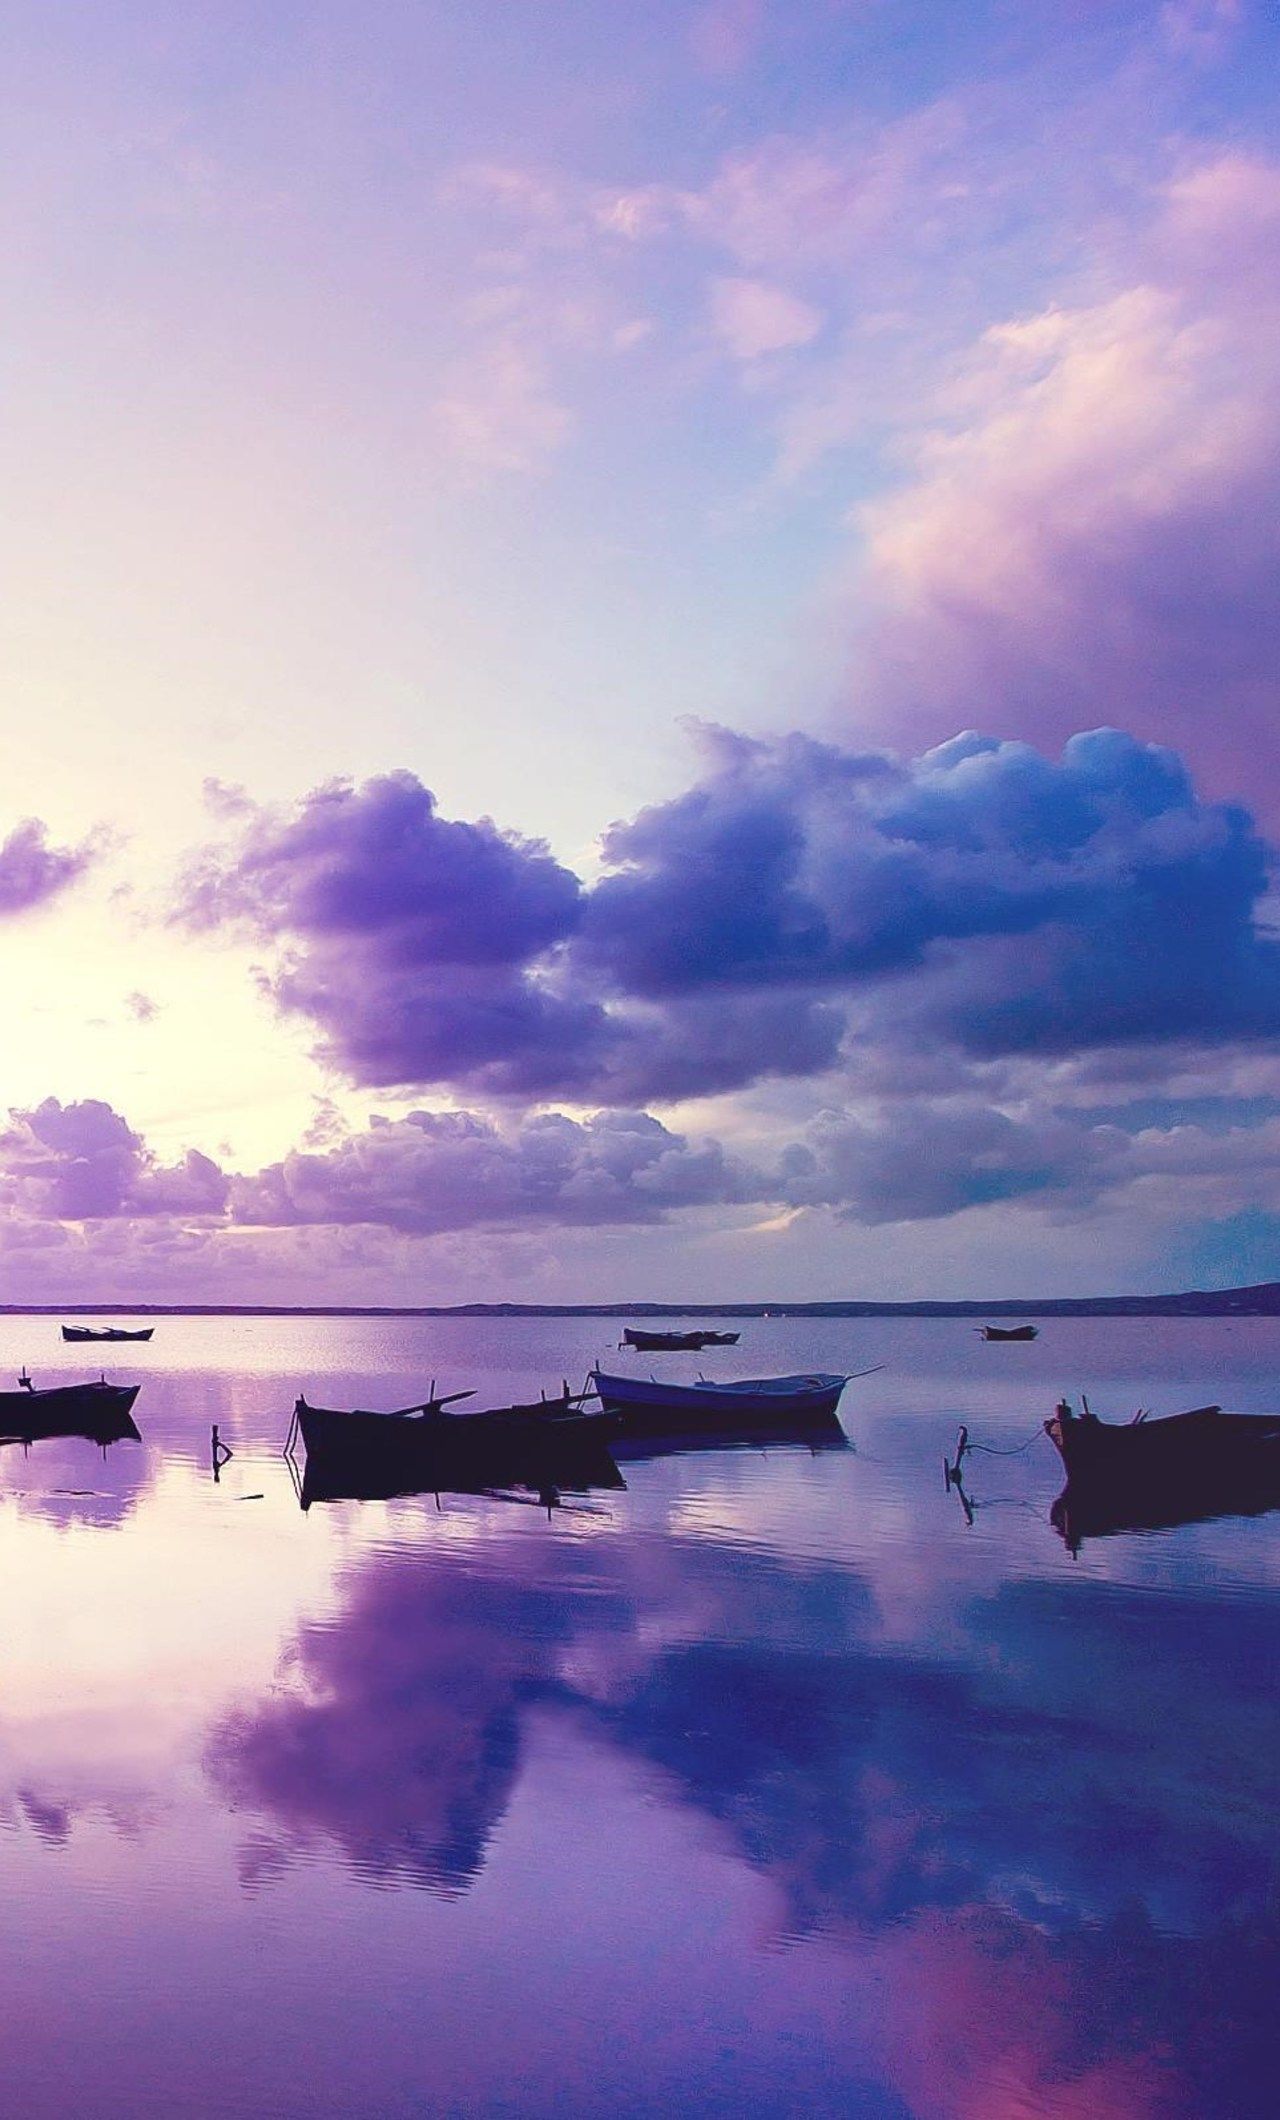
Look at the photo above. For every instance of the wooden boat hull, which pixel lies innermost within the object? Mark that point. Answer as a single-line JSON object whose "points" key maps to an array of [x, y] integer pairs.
{"points": [[101, 1413], [105, 1332], [1204, 1445], [358, 1455], [641, 1405]]}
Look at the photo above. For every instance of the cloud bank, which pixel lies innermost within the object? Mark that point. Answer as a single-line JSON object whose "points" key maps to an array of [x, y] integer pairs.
{"points": [[983, 897]]}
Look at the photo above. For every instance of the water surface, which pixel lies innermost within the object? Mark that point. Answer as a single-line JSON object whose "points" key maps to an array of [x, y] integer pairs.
{"points": [[771, 1785]]}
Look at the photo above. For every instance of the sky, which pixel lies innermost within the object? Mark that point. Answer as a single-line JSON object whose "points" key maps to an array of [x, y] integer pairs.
{"points": [[639, 649]]}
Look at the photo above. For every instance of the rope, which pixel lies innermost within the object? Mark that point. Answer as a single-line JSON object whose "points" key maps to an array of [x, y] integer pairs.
{"points": [[990, 1450]]}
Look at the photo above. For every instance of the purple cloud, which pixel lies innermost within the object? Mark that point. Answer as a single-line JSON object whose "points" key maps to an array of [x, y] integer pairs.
{"points": [[1036, 905], [84, 1162], [428, 950], [32, 872], [451, 1170]]}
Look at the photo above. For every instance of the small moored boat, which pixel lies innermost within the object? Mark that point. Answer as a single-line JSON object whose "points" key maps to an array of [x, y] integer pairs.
{"points": [[642, 1404], [99, 1411], [1205, 1444], [107, 1332], [675, 1342], [1008, 1332], [544, 1443]]}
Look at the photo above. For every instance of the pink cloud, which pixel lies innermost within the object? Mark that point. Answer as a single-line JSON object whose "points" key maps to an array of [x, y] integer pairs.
{"points": [[1091, 531], [752, 318]]}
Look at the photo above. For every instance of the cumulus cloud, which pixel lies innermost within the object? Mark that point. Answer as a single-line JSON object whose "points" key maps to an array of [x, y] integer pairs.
{"points": [[83, 1161], [430, 950], [743, 928], [1091, 529], [449, 1170], [1037, 903]]}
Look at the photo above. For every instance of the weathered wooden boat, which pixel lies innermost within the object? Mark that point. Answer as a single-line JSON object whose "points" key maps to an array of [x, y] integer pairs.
{"points": [[643, 1405], [1203, 1446], [98, 1411], [545, 1443], [675, 1342], [1008, 1332], [106, 1332]]}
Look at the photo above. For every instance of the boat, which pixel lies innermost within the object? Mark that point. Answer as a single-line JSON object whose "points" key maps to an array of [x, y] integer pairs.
{"points": [[1008, 1332], [643, 1405], [543, 1444], [675, 1342], [1205, 1446], [1145, 1475], [106, 1332], [98, 1411]]}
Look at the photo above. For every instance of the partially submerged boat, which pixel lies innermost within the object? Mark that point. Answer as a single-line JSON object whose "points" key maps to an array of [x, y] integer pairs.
{"points": [[98, 1411], [675, 1342], [1008, 1332], [107, 1332], [642, 1405]]}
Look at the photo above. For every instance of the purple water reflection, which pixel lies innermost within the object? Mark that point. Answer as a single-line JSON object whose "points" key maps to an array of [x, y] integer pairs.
{"points": [[767, 1786]]}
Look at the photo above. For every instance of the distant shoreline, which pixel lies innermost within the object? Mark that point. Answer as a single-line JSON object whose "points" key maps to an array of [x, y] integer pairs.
{"points": [[1260, 1301]]}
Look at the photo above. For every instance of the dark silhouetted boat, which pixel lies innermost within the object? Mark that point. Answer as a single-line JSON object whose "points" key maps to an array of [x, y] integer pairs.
{"points": [[100, 1412], [675, 1342], [107, 1332], [642, 1405], [1008, 1332], [546, 1444], [1132, 1459]]}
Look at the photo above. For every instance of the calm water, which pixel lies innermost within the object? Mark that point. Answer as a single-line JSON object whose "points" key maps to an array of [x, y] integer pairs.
{"points": [[768, 1786]]}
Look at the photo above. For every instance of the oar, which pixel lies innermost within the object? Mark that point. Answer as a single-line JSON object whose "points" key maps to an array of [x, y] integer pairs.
{"points": [[449, 1398]]}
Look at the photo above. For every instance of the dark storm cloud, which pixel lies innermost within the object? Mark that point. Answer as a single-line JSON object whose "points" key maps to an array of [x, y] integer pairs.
{"points": [[983, 895], [1052, 904]]}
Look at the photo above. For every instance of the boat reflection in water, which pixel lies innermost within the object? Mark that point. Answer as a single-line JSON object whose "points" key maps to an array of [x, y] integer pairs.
{"points": [[548, 1447], [815, 1436], [1185, 1468]]}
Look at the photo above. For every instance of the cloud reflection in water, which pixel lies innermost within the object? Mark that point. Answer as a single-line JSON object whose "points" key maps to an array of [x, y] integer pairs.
{"points": [[1051, 1858]]}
